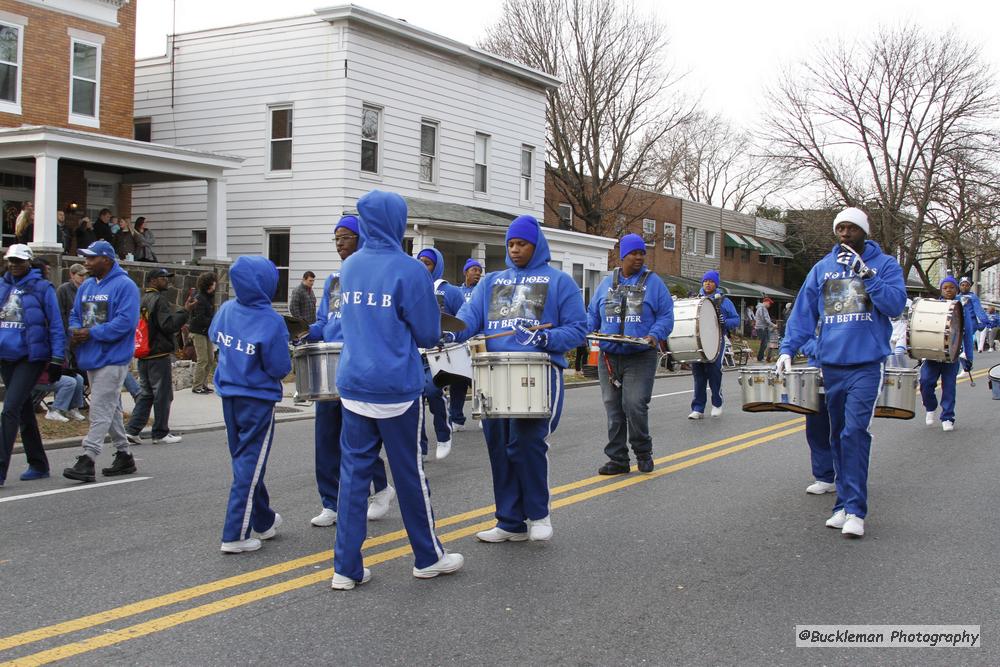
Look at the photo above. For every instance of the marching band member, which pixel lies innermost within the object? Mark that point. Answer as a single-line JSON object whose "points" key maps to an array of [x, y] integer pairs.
{"points": [[818, 436], [472, 271], [253, 359], [457, 391], [975, 319], [528, 293], [632, 301], [931, 371], [711, 373], [852, 294], [388, 311], [329, 413], [449, 299]]}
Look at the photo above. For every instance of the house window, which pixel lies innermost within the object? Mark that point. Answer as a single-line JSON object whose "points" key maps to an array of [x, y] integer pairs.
{"points": [[482, 156], [428, 151], [776, 261], [730, 253], [277, 252], [709, 244], [142, 129], [669, 236], [744, 255], [10, 68], [100, 196], [527, 161], [85, 79], [371, 131], [280, 138], [565, 216], [648, 228], [199, 239], [762, 259], [690, 240]]}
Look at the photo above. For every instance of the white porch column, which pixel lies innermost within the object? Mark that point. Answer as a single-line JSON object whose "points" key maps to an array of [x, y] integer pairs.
{"points": [[216, 243], [422, 241], [46, 200], [479, 253]]}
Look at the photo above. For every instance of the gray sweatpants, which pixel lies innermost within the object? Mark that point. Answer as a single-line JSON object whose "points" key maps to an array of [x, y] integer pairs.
{"points": [[106, 410]]}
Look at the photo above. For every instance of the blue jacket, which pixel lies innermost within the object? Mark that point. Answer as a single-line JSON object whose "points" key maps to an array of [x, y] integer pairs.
{"points": [[449, 297], [109, 308], [252, 338], [327, 325], [537, 293], [388, 308], [973, 311], [30, 321], [467, 291], [653, 316], [729, 315], [853, 313]]}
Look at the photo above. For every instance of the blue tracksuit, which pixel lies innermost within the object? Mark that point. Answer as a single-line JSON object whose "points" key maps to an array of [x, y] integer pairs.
{"points": [[931, 371], [854, 315], [517, 447], [389, 311], [459, 390], [253, 358], [328, 413], [975, 319], [818, 429], [711, 373], [109, 309]]}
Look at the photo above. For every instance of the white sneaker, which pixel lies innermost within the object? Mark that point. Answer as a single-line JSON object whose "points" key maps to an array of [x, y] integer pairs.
{"points": [[325, 518], [819, 488], [480, 423], [133, 439], [449, 563], [498, 534], [853, 526], [929, 420], [54, 415], [168, 439], [77, 415], [380, 503], [696, 415], [716, 411], [947, 426], [443, 450], [455, 427], [837, 520], [273, 530], [541, 530], [342, 583], [239, 546]]}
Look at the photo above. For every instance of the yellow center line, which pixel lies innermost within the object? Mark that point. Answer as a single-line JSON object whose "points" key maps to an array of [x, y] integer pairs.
{"points": [[138, 630], [186, 594]]}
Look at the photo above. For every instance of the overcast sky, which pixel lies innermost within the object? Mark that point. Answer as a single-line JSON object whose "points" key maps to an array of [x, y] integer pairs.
{"points": [[732, 50]]}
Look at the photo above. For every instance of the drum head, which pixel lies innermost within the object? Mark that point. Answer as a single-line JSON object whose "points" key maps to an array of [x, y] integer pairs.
{"points": [[995, 372], [709, 331]]}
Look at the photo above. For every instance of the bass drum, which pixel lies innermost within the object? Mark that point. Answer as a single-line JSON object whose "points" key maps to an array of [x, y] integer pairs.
{"points": [[935, 330], [697, 334]]}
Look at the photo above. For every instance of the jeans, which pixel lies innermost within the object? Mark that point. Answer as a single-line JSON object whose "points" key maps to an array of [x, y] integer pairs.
{"points": [[19, 379], [132, 386], [204, 367], [156, 392], [69, 392], [764, 334], [627, 405]]}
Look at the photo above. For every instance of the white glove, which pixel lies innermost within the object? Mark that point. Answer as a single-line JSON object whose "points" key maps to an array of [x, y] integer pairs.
{"points": [[853, 261], [962, 356], [784, 364]]}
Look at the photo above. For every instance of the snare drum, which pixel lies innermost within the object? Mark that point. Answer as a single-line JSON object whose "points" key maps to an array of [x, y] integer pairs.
{"points": [[511, 384], [800, 390], [315, 368], [697, 335], [449, 363], [898, 399], [935, 330], [759, 386]]}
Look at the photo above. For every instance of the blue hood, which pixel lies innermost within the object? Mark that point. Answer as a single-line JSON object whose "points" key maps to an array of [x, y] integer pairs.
{"points": [[383, 220], [438, 271], [254, 280], [542, 254]]}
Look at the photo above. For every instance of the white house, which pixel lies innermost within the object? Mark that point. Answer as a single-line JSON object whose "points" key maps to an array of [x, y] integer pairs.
{"points": [[325, 107]]}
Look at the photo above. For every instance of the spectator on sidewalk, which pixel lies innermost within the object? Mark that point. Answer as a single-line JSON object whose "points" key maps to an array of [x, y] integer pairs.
{"points": [[145, 240], [66, 296], [762, 325], [102, 227], [102, 328], [125, 243], [201, 318], [85, 234], [156, 382], [302, 304], [68, 390]]}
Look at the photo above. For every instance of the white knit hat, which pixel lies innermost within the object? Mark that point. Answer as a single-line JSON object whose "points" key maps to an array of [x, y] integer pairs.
{"points": [[854, 216]]}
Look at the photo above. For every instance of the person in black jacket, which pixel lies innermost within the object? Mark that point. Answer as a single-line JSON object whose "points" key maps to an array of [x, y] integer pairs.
{"points": [[102, 228], [156, 384], [201, 317], [85, 234]]}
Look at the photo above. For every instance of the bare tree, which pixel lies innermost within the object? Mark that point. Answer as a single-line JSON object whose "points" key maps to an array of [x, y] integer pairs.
{"points": [[616, 102], [872, 121]]}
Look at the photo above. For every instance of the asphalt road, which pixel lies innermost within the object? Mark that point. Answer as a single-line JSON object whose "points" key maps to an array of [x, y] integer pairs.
{"points": [[713, 559]]}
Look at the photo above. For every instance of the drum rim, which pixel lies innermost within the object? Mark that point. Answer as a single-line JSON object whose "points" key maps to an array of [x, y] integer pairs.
{"points": [[522, 356]]}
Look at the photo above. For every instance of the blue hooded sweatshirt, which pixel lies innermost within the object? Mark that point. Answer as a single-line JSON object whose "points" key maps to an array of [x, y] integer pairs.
{"points": [[388, 309], [450, 298], [252, 338], [972, 311], [652, 316], [853, 313], [327, 325], [30, 322], [537, 293], [729, 314], [109, 308], [467, 291]]}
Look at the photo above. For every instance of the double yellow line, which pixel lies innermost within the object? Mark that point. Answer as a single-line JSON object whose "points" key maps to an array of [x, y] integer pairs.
{"points": [[563, 496]]}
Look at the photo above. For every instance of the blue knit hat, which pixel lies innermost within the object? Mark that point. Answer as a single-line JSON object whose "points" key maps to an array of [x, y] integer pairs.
{"points": [[524, 227], [429, 254], [711, 275], [469, 263], [348, 221], [631, 243], [948, 279]]}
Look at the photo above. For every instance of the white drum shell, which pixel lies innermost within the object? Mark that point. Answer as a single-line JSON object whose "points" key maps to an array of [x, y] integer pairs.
{"points": [[511, 384], [898, 399], [315, 367], [759, 387], [454, 359], [934, 330], [799, 390], [697, 335]]}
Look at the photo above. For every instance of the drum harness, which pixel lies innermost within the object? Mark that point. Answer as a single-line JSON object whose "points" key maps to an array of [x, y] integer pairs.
{"points": [[625, 290]]}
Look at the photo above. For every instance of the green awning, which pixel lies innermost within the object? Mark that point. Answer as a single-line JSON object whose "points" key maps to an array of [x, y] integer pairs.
{"points": [[754, 244], [785, 252], [739, 290], [736, 241], [768, 248]]}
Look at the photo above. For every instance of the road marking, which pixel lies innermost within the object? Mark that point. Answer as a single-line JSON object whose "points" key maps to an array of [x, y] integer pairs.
{"points": [[674, 393], [152, 626], [82, 487], [208, 588]]}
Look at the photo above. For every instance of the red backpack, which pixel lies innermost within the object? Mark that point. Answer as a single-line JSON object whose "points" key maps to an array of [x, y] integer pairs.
{"points": [[142, 336]]}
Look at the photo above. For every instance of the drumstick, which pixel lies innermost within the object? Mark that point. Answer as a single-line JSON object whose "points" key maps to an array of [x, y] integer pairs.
{"points": [[512, 331]]}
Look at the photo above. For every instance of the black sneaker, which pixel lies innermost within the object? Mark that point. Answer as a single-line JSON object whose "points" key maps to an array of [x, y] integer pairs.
{"points": [[82, 470], [646, 464], [613, 468], [123, 464]]}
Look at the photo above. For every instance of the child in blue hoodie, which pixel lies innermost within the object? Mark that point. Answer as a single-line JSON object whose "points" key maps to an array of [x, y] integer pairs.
{"points": [[975, 319], [472, 271], [705, 373], [329, 414], [253, 359], [633, 301], [852, 292], [947, 372], [449, 299], [528, 293], [388, 311]]}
